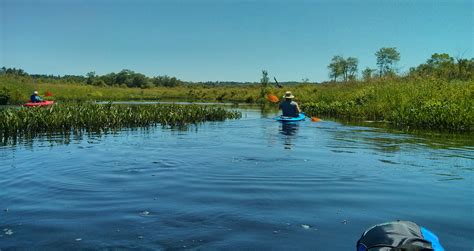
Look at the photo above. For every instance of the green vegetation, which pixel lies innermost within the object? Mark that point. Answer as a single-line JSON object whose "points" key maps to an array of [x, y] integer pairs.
{"points": [[386, 60], [264, 86], [430, 104], [437, 94], [345, 68], [27, 122], [4, 96], [19, 88]]}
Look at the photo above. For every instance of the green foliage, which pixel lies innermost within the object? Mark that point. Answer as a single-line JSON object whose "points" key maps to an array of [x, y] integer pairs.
{"points": [[368, 74], [125, 77], [443, 66], [67, 118], [4, 96], [341, 67], [439, 105], [386, 60], [437, 94], [167, 81], [264, 85]]}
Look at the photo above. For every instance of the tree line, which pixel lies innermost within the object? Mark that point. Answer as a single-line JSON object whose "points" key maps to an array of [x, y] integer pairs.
{"points": [[124, 78], [439, 66]]}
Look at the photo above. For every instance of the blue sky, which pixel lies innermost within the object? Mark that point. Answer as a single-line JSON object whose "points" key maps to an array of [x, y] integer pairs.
{"points": [[213, 40]]}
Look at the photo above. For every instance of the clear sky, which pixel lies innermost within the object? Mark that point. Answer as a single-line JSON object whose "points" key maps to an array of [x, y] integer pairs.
{"points": [[213, 40]]}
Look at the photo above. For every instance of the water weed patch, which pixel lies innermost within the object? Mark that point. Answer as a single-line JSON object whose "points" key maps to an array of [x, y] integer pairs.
{"points": [[27, 122]]}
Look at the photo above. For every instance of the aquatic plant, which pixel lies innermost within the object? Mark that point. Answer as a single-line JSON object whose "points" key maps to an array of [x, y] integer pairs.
{"points": [[97, 118]]}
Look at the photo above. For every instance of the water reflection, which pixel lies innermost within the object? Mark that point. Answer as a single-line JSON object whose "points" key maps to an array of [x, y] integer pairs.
{"points": [[289, 131], [392, 142], [268, 110], [223, 184], [77, 136]]}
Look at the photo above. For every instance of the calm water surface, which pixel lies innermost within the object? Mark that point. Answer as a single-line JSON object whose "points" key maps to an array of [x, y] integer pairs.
{"points": [[247, 184]]}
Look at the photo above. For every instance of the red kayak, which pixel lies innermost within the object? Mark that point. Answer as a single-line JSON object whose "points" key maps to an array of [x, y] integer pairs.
{"points": [[43, 103]]}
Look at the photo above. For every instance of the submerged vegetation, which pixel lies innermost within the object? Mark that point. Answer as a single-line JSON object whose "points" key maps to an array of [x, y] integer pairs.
{"points": [[66, 118]]}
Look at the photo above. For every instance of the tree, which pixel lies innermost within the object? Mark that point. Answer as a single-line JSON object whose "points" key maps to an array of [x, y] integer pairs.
{"points": [[344, 68], [139, 80], [387, 57], [367, 74], [90, 77], [336, 67], [166, 81], [124, 77], [351, 68], [264, 81], [437, 60], [465, 68], [441, 65]]}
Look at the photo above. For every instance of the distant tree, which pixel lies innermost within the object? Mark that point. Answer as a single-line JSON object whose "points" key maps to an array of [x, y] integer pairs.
{"points": [[441, 65], [124, 77], [264, 82], [351, 69], [367, 74], [343, 68], [336, 67], [90, 77], [387, 59], [438, 60], [465, 68], [166, 81], [110, 79], [14, 71], [99, 82]]}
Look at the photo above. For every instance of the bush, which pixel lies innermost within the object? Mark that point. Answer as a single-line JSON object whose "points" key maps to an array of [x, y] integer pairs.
{"points": [[4, 96]]}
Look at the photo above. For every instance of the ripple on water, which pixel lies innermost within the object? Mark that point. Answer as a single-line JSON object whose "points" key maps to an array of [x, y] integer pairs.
{"points": [[201, 189]]}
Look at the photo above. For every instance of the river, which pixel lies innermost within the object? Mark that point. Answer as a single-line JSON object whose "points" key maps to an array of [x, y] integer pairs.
{"points": [[247, 184]]}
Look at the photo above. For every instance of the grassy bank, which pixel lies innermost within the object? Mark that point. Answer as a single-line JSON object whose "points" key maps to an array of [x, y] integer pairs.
{"points": [[403, 102], [27, 122], [434, 104], [20, 89]]}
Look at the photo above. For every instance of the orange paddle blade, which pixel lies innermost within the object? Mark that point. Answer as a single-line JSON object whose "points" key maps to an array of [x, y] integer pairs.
{"points": [[48, 94], [272, 98], [315, 119]]}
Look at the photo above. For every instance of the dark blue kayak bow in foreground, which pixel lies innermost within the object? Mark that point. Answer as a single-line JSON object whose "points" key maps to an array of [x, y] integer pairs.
{"points": [[398, 235]]}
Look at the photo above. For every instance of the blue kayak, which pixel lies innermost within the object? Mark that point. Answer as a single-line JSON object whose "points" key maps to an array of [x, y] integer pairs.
{"points": [[300, 117]]}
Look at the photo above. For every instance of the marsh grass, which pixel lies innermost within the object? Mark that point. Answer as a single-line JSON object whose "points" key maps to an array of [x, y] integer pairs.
{"points": [[438, 105], [20, 89], [28, 122], [410, 103]]}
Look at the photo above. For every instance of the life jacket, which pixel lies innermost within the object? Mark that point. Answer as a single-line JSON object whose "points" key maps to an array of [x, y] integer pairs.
{"points": [[35, 98]]}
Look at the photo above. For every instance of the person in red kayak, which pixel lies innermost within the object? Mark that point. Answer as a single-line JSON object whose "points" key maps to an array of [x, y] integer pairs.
{"points": [[35, 98], [289, 107]]}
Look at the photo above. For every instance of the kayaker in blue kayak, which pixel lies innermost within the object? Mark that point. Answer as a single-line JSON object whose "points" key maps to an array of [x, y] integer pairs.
{"points": [[35, 98], [398, 235], [289, 107]]}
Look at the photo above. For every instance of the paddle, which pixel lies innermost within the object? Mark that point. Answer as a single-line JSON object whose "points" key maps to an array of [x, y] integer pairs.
{"points": [[274, 99], [277, 84]]}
